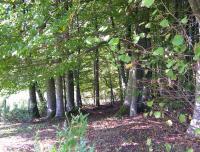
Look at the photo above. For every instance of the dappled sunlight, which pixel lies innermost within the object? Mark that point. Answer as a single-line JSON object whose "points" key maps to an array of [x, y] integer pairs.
{"points": [[22, 137]]}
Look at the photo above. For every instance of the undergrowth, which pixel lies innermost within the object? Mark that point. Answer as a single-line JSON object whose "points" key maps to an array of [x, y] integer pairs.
{"points": [[72, 136], [17, 114]]}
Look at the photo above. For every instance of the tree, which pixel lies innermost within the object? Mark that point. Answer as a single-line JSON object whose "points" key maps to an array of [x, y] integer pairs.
{"points": [[69, 80], [33, 108], [195, 122], [51, 98], [60, 112]]}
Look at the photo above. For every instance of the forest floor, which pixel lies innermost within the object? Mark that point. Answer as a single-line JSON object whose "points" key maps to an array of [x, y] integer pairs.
{"points": [[106, 133]]}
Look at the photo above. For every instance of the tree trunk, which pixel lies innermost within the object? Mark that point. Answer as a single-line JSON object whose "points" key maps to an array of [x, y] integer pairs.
{"points": [[112, 98], [96, 78], [64, 93], [70, 91], [59, 98], [121, 91], [51, 98], [131, 96], [195, 122], [78, 91], [40, 95], [33, 109]]}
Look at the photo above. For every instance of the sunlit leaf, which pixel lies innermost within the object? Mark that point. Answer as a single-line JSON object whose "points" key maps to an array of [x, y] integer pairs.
{"points": [[182, 118], [164, 23], [114, 42], [168, 147], [136, 38], [157, 114], [125, 58], [159, 51], [178, 40], [184, 20], [170, 74], [197, 131], [190, 150], [147, 3], [150, 103]]}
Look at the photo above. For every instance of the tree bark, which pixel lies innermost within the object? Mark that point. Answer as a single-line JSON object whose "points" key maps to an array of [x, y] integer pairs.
{"points": [[33, 109], [96, 78], [40, 95], [51, 98], [121, 91], [78, 91], [195, 122], [131, 96], [59, 98], [112, 98], [70, 91]]}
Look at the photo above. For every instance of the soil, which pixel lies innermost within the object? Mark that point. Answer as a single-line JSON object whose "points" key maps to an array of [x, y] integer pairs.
{"points": [[106, 133]]}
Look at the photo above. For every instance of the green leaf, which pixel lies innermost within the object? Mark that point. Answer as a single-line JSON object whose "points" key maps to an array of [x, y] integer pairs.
{"points": [[184, 20], [197, 48], [157, 114], [103, 28], [162, 104], [159, 51], [178, 40], [168, 147], [181, 67], [147, 3], [182, 118], [136, 38], [148, 25], [130, 1], [125, 58], [190, 150], [150, 103], [92, 40], [164, 23], [170, 74], [170, 63], [154, 12], [197, 131], [114, 42]]}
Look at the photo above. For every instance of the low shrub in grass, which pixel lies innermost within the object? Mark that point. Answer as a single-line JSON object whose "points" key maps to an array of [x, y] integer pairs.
{"points": [[72, 136], [17, 114]]}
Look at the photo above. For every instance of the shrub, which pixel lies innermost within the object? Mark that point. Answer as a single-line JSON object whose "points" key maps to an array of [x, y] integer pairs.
{"points": [[19, 114], [72, 136]]}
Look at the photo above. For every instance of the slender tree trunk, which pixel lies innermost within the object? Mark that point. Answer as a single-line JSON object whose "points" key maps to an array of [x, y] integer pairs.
{"points": [[121, 71], [112, 98], [64, 93], [77, 80], [96, 78], [51, 98], [195, 122], [124, 75], [43, 102], [33, 109], [78, 91], [40, 95], [70, 91], [59, 98], [121, 91]]}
